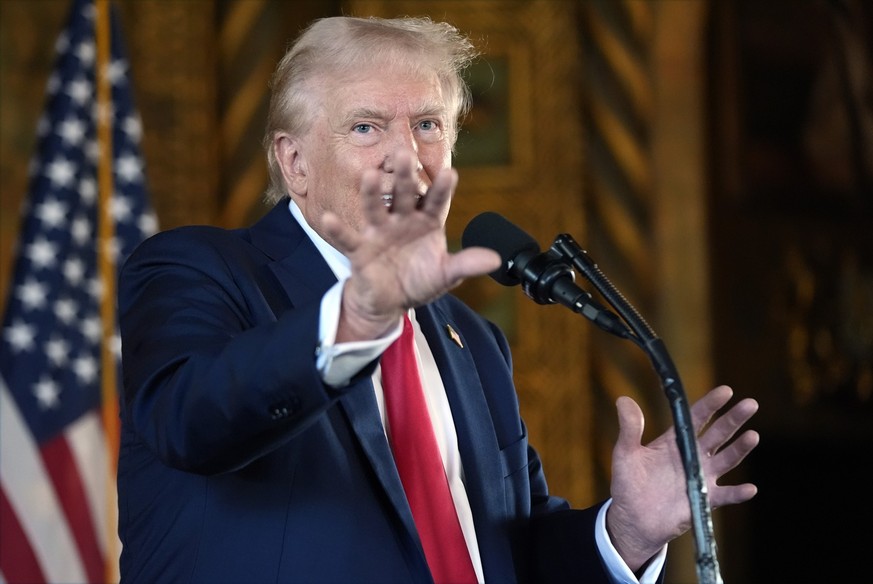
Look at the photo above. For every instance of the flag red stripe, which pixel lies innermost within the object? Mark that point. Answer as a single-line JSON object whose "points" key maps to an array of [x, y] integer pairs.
{"points": [[18, 563], [61, 467]]}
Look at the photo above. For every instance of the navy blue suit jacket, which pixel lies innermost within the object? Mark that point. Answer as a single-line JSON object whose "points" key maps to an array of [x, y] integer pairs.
{"points": [[238, 464]]}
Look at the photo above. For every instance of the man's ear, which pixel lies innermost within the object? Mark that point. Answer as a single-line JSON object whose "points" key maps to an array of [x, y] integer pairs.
{"points": [[290, 159]]}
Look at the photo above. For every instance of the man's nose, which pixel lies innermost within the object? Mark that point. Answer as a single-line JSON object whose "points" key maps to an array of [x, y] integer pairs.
{"points": [[389, 164], [400, 140]]}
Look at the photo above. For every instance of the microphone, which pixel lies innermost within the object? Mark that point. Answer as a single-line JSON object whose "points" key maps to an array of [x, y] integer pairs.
{"points": [[544, 276]]}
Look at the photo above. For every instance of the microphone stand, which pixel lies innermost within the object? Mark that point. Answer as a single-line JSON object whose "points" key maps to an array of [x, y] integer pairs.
{"points": [[701, 514]]}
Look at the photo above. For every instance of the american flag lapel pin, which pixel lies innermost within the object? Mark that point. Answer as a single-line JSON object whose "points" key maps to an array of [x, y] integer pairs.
{"points": [[453, 334]]}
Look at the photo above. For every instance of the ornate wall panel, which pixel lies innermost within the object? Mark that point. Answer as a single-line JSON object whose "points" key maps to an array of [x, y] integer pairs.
{"points": [[618, 103], [252, 37], [172, 53]]}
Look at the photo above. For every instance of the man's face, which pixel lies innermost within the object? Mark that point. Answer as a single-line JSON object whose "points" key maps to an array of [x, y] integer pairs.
{"points": [[361, 123]]}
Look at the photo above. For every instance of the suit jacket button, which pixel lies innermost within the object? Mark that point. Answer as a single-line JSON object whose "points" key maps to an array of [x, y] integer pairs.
{"points": [[285, 408]]}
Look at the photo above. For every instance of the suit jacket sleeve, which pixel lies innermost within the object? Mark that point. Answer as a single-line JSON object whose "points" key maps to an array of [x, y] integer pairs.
{"points": [[205, 388]]}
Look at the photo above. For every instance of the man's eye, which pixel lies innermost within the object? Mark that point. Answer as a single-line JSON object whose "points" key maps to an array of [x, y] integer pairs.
{"points": [[427, 125], [362, 128]]}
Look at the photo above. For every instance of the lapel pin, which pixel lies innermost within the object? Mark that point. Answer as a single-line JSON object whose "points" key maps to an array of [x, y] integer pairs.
{"points": [[453, 334]]}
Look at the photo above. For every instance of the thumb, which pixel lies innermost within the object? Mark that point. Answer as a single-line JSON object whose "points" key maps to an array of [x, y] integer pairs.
{"points": [[631, 423], [473, 261]]}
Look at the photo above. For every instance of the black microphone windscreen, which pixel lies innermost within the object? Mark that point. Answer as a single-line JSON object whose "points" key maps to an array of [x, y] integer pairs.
{"points": [[492, 230]]}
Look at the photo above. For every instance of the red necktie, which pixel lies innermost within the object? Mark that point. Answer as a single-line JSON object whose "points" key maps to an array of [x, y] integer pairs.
{"points": [[421, 469]]}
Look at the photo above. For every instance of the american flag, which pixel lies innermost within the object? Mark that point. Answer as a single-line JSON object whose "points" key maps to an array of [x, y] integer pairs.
{"points": [[57, 459]]}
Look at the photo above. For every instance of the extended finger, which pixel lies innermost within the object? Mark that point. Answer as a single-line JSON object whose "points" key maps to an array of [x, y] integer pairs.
{"points": [[704, 408], [405, 184], [725, 426], [733, 454], [439, 195], [732, 494]]}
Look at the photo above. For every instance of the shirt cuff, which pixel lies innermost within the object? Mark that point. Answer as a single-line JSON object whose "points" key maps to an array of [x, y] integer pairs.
{"points": [[339, 362], [615, 566]]}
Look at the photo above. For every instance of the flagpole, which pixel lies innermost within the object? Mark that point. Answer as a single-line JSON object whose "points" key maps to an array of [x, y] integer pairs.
{"points": [[106, 267]]}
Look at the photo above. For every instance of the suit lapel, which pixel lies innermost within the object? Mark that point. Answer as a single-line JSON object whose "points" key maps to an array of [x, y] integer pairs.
{"points": [[305, 277], [362, 412], [297, 264], [483, 472]]}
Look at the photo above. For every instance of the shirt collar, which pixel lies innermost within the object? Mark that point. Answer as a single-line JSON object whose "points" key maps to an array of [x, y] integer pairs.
{"points": [[336, 261]]}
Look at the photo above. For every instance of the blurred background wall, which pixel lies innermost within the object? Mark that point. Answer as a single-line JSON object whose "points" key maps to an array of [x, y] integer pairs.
{"points": [[715, 159]]}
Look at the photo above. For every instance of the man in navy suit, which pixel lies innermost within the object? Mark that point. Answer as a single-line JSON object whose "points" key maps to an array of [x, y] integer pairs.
{"points": [[254, 446]]}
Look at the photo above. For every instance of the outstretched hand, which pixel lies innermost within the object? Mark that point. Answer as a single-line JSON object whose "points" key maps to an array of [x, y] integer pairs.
{"points": [[399, 257], [649, 494]]}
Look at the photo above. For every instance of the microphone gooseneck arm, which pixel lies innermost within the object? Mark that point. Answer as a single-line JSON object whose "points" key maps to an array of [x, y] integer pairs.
{"points": [[546, 278], [701, 515]]}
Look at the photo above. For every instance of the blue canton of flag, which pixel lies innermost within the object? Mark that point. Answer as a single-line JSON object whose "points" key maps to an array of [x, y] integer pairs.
{"points": [[55, 510]]}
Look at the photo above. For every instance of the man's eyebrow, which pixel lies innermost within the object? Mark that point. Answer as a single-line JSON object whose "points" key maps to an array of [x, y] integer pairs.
{"points": [[424, 110], [366, 112], [435, 109]]}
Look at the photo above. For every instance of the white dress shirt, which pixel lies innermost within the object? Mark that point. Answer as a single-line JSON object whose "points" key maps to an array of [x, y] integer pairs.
{"points": [[339, 362]]}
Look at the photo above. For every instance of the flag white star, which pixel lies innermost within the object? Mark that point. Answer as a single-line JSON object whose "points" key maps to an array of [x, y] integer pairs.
{"points": [[129, 168], [95, 289], [52, 213], [132, 126], [148, 224], [92, 328], [58, 351], [65, 310], [88, 190], [117, 71], [72, 131], [74, 270], [61, 172], [80, 90], [92, 149], [86, 52], [46, 391], [42, 253], [81, 230], [85, 368], [20, 336], [32, 294], [121, 210]]}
